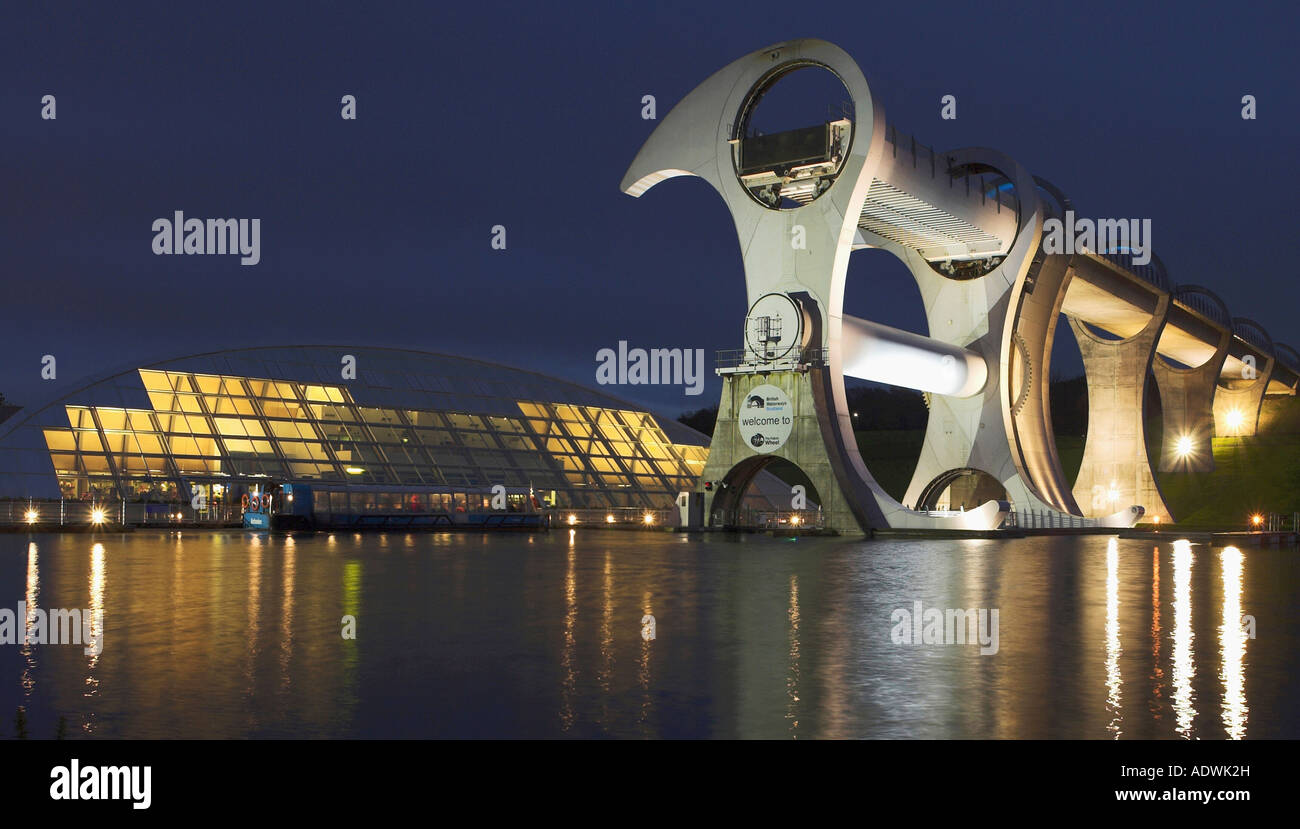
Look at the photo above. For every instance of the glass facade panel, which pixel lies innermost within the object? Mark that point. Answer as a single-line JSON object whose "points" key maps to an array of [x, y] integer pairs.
{"points": [[237, 418]]}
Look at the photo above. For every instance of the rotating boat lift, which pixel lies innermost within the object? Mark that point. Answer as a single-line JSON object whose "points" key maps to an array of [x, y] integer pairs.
{"points": [[969, 226]]}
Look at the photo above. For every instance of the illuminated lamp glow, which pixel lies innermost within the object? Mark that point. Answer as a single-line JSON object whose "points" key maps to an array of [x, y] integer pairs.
{"points": [[1234, 419]]}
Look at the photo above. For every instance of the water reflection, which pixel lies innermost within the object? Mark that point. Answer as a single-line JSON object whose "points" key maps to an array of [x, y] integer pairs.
{"points": [[643, 667], [351, 647], [98, 575], [538, 636], [792, 677], [1113, 681], [1157, 676], [1184, 667], [32, 596], [1232, 644], [286, 614], [254, 613], [568, 671], [607, 626]]}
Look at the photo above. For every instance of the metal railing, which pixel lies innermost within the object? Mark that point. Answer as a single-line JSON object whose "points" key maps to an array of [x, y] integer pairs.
{"points": [[809, 519], [737, 357], [1046, 520], [55, 512], [1204, 302], [1152, 272], [1287, 356], [1253, 333], [1275, 522], [748, 518], [987, 186], [620, 517]]}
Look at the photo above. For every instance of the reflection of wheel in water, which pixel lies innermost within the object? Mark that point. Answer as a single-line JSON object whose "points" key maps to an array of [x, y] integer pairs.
{"points": [[1022, 373]]}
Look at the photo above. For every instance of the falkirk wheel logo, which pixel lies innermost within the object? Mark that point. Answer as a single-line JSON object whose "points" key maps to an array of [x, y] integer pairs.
{"points": [[766, 419]]}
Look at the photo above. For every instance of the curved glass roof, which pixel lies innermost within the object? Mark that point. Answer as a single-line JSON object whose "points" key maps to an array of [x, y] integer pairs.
{"points": [[235, 420]]}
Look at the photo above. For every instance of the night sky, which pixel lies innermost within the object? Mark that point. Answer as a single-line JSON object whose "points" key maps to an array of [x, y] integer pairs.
{"points": [[377, 231]]}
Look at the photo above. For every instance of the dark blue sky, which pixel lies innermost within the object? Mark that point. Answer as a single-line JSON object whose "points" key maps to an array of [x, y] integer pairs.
{"points": [[377, 231]]}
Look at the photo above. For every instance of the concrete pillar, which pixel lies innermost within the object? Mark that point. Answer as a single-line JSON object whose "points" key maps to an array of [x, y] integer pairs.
{"points": [[1187, 410], [1238, 400], [1116, 470], [734, 462]]}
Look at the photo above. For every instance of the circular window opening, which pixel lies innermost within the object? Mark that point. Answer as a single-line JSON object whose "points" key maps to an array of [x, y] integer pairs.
{"points": [[793, 135], [985, 185]]}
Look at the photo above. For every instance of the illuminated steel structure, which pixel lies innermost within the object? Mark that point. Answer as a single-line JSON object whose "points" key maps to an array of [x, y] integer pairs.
{"points": [[229, 423], [969, 225]]}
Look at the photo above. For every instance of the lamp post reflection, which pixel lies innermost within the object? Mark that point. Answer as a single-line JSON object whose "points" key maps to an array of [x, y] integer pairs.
{"points": [[98, 576], [643, 667], [254, 612], [606, 637], [792, 678], [1184, 668], [1157, 673], [286, 615], [1113, 681], [569, 679], [32, 594], [1232, 645]]}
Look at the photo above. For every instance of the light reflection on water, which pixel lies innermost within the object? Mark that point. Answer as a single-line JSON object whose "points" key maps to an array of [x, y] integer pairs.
{"points": [[1232, 642], [1113, 650], [32, 596], [236, 635], [98, 573], [792, 682], [1157, 676], [1184, 664]]}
